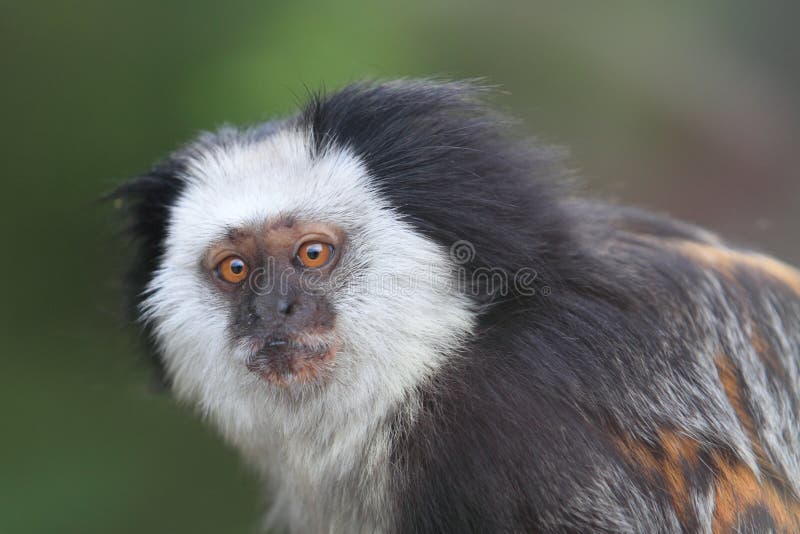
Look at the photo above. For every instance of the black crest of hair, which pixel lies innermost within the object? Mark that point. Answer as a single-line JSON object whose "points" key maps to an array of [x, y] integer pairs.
{"points": [[562, 412], [454, 168], [145, 202]]}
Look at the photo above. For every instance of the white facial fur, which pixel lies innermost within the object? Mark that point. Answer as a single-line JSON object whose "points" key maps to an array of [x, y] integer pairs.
{"points": [[398, 320]]}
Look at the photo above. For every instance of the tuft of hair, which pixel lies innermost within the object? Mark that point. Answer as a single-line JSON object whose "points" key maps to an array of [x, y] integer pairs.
{"points": [[145, 203], [453, 166]]}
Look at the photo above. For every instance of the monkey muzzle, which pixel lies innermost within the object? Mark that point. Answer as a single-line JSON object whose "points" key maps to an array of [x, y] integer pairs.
{"points": [[283, 360]]}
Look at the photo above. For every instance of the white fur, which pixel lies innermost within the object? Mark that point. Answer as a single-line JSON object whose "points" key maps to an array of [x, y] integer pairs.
{"points": [[322, 448]]}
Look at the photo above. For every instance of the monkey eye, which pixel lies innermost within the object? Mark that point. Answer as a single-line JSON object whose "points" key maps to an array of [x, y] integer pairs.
{"points": [[314, 254], [232, 269]]}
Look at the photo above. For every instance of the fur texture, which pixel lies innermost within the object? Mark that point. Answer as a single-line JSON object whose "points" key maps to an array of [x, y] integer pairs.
{"points": [[575, 367]]}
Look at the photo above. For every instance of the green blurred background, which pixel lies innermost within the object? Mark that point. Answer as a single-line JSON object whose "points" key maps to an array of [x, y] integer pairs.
{"points": [[686, 107]]}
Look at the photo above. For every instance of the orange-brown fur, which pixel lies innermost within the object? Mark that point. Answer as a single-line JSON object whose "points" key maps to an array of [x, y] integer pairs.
{"points": [[666, 462], [673, 457], [726, 260]]}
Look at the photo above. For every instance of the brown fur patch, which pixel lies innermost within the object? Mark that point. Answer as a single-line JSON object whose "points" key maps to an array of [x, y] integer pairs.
{"points": [[732, 386], [725, 260], [765, 351], [680, 456], [733, 390], [736, 486], [668, 463], [672, 460]]}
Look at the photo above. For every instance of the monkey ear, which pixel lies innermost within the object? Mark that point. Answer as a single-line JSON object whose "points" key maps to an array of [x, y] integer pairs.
{"points": [[144, 205]]}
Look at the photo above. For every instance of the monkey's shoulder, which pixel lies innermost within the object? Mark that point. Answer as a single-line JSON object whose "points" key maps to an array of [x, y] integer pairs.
{"points": [[662, 246]]}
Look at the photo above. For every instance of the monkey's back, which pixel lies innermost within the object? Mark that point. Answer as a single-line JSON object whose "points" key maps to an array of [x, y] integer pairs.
{"points": [[655, 389]]}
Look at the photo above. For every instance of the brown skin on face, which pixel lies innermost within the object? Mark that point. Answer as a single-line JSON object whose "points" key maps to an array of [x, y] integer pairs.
{"points": [[279, 308]]}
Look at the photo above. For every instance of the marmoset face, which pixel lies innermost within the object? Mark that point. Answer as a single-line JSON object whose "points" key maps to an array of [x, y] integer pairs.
{"points": [[283, 271], [277, 277]]}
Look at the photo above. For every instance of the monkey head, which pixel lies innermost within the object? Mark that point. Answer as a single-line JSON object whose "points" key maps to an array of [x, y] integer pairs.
{"points": [[284, 277]]}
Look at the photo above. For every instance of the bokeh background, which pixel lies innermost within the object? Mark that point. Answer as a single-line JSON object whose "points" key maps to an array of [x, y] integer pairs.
{"points": [[687, 107]]}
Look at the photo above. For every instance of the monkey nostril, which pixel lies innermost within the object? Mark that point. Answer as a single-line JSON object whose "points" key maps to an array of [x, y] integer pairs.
{"points": [[285, 306]]}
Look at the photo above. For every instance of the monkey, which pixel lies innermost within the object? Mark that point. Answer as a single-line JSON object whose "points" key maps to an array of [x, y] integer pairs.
{"points": [[400, 312]]}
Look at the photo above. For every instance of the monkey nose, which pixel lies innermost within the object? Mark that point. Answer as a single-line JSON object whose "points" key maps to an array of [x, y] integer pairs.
{"points": [[286, 306]]}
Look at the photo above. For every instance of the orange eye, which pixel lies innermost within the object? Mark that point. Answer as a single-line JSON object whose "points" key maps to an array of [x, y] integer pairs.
{"points": [[232, 269], [315, 254]]}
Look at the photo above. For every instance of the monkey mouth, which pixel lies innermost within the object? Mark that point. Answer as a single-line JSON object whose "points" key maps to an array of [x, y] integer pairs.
{"points": [[283, 361]]}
